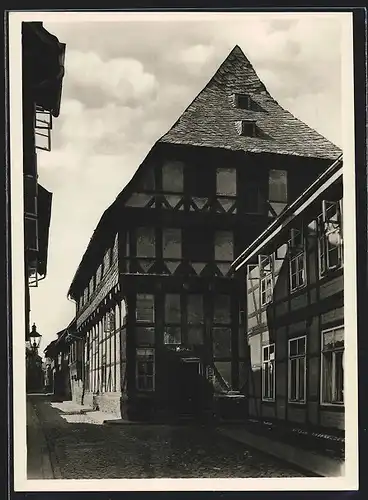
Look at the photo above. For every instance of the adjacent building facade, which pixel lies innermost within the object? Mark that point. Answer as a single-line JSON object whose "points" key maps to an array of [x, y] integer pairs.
{"points": [[42, 74], [295, 315], [160, 319], [58, 379]]}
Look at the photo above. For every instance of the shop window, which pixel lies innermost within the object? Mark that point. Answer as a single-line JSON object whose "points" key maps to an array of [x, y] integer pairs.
{"points": [[297, 369], [145, 308], [333, 366], [330, 237], [145, 239], [171, 244], [145, 369], [268, 372], [172, 177], [226, 181], [277, 186]]}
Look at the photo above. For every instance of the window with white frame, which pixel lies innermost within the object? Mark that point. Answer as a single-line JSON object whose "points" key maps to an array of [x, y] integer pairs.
{"points": [[268, 372], [333, 366], [145, 369], [297, 257], [330, 240], [266, 278], [297, 369]]}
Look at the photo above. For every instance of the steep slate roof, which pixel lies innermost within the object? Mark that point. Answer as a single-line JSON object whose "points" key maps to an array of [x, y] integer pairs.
{"points": [[210, 119]]}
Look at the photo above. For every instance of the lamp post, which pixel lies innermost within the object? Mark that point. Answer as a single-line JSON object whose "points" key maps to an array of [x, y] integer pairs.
{"points": [[34, 362], [34, 339]]}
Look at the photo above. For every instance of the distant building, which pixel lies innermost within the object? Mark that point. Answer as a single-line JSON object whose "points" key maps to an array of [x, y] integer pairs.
{"points": [[160, 319], [295, 315], [57, 365], [42, 75]]}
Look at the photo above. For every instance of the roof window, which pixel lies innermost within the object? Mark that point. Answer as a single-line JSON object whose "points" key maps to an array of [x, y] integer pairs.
{"points": [[244, 101]]}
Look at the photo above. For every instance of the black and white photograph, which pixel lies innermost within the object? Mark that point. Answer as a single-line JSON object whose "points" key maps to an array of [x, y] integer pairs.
{"points": [[183, 251]]}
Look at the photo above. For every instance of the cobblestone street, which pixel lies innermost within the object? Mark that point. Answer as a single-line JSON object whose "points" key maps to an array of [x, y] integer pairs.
{"points": [[83, 449]]}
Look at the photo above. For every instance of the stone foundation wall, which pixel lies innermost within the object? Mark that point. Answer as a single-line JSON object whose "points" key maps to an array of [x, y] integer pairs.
{"points": [[108, 402]]}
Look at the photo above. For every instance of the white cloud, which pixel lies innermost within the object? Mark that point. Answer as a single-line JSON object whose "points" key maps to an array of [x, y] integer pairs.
{"points": [[124, 79]]}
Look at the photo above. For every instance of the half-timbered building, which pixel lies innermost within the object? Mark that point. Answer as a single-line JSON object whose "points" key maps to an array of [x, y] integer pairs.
{"points": [[160, 319], [295, 315]]}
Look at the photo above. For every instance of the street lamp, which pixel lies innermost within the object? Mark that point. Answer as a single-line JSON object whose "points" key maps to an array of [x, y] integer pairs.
{"points": [[35, 338]]}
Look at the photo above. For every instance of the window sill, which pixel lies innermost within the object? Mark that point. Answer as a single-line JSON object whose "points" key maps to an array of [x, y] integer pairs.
{"points": [[332, 406], [298, 288], [268, 400]]}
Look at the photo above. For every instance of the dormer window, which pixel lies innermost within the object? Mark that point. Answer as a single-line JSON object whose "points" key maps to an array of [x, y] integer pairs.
{"points": [[244, 101], [247, 128]]}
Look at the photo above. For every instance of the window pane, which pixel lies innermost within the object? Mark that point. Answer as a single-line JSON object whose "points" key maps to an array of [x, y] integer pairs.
{"points": [[224, 369], [293, 346], [226, 181], [145, 242], [171, 243], [327, 377], [172, 335], [293, 368], [221, 342], [172, 177], [339, 377], [145, 308], [224, 246], [301, 388], [221, 309], [339, 337], [328, 339], [195, 309], [301, 345], [172, 308], [145, 335], [278, 185]]}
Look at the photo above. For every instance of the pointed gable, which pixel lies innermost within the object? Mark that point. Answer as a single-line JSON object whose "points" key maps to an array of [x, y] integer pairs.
{"points": [[235, 111]]}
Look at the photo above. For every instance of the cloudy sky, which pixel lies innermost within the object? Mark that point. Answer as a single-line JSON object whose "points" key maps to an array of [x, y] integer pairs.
{"points": [[127, 82]]}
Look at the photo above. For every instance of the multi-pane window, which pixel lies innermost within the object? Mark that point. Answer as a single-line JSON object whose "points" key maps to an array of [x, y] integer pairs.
{"points": [[145, 369], [297, 369], [266, 278], [145, 308], [296, 259], [226, 181], [172, 333], [330, 237], [333, 366], [268, 372]]}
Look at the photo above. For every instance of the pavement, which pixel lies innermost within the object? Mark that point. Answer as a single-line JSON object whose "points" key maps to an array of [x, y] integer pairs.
{"points": [[316, 463], [81, 447]]}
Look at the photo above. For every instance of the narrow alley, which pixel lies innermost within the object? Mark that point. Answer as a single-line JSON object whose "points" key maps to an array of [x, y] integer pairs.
{"points": [[80, 446]]}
